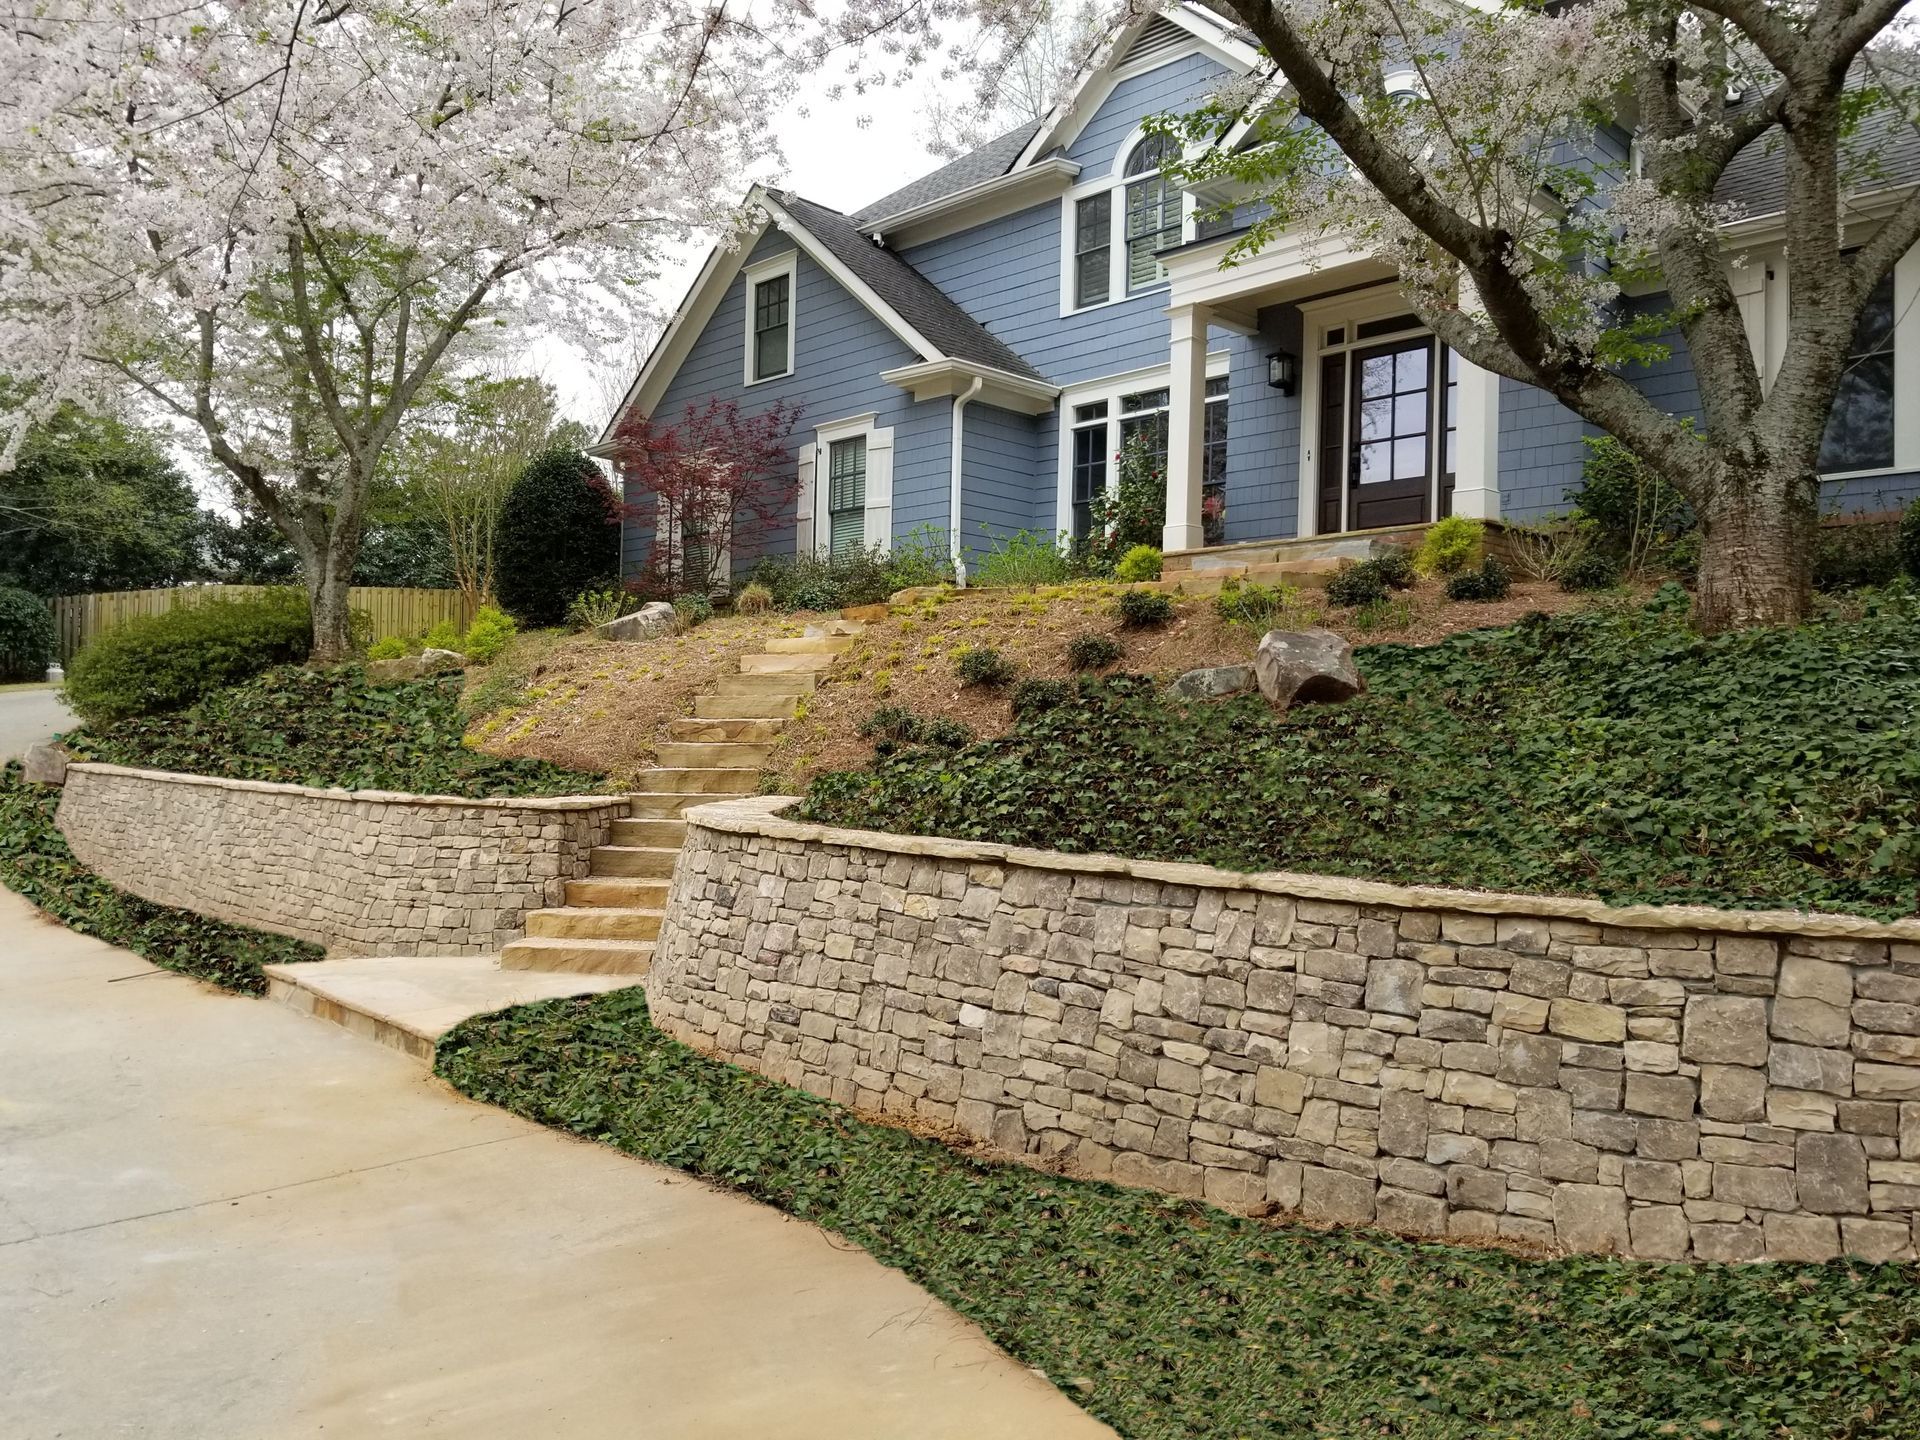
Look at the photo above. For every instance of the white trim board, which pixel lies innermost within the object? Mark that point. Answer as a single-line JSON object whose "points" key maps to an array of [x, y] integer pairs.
{"points": [[1110, 388]]}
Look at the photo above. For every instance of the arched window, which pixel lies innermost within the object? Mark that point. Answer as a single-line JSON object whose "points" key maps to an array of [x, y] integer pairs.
{"points": [[1153, 211], [1114, 232]]}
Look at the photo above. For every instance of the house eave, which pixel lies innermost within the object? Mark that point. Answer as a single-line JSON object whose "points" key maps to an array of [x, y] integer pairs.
{"points": [[934, 379], [977, 204]]}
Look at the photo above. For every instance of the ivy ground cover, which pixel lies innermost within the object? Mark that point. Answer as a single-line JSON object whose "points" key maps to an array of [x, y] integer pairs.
{"points": [[1172, 1321], [1611, 753], [35, 861]]}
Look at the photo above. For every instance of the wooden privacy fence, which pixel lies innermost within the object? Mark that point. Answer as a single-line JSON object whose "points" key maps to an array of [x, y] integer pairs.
{"points": [[395, 610]]}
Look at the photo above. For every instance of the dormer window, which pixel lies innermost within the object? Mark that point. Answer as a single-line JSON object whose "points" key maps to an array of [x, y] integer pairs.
{"points": [[769, 319], [1114, 227]]}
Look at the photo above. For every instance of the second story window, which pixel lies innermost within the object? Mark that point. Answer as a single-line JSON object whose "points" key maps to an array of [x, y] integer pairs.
{"points": [[1114, 228], [1092, 248], [1153, 212], [770, 319]]}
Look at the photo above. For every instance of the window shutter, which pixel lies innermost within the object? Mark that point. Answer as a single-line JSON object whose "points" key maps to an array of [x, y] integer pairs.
{"points": [[880, 489], [804, 540]]}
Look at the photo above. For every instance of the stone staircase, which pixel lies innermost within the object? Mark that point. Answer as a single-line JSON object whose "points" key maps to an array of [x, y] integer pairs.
{"points": [[612, 917]]}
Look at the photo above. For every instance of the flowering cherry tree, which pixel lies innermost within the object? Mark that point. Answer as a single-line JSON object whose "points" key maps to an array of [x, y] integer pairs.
{"points": [[1473, 148], [276, 220], [715, 479]]}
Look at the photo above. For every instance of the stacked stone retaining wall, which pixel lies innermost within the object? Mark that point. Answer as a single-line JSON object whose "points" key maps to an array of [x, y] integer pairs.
{"points": [[360, 872], [1664, 1082]]}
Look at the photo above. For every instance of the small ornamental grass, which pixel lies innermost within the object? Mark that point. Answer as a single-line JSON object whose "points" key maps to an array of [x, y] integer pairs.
{"points": [[36, 863], [1611, 753], [1173, 1321]]}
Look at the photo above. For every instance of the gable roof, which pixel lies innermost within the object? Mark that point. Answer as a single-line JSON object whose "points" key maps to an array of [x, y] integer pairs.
{"points": [[1884, 146], [989, 162]]}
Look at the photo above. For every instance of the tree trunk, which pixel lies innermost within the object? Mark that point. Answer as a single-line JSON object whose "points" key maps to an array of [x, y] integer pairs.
{"points": [[332, 617], [1756, 552]]}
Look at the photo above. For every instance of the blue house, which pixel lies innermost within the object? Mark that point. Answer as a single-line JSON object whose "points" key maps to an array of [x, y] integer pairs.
{"points": [[972, 352]]}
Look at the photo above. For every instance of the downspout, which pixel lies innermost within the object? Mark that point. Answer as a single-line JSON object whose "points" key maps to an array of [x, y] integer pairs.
{"points": [[959, 430]]}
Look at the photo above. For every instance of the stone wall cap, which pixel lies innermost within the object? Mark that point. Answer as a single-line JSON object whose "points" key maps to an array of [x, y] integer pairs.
{"points": [[557, 803], [761, 815]]}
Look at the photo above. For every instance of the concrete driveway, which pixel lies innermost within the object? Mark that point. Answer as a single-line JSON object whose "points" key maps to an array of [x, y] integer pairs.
{"points": [[28, 715], [219, 1218]]}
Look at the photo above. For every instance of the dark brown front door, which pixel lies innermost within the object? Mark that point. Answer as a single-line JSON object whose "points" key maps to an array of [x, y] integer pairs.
{"points": [[1389, 434]]}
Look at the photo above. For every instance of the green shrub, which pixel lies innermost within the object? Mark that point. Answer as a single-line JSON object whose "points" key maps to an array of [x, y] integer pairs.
{"points": [[1609, 752], [1027, 558], [36, 863], [919, 558], [1395, 564], [559, 534], [392, 647], [1143, 609], [983, 666], [1092, 652], [488, 635], [1133, 512], [892, 727], [593, 608], [692, 610], [826, 582], [753, 599], [165, 662], [1032, 696], [1851, 557], [1360, 584], [330, 728], [1910, 540], [1634, 515], [1450, 546], [441, 635], [1588, 570], [27, 640], [1489, 582], [1142, 562], [1262, 607]]}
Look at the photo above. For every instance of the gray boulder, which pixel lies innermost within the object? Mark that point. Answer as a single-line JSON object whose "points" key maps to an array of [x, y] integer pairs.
{"points": [[414, 667], [653, 618], [45, 764], [1214, 682], [1305, 667], [434, 662]]}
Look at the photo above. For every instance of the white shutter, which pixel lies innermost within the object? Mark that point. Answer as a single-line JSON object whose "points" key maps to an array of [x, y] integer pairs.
{"points": [[804, 542], [880, 489]]}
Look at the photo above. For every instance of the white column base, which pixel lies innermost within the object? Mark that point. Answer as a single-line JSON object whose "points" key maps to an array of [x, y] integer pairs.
{"points": [[1476, 476], [1186, 427]]}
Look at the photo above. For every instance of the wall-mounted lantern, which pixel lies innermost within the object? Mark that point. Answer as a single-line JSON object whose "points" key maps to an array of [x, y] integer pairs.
{"points": [[1283, 371]]}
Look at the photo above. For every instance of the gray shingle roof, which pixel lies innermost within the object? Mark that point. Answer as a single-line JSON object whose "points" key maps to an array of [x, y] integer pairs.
{"points": [[989, 162], [917, 300], [1883, 151]]}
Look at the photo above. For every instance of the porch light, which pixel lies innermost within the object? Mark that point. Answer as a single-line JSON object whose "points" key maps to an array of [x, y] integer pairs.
{"points": [[1283, 370]]}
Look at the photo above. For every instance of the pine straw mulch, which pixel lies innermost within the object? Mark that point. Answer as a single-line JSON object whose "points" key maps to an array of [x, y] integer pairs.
{"points": [[908, 658]]}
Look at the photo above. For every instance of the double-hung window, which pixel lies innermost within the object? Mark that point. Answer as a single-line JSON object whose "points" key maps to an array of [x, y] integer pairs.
{"points": [[1092, 248], [1114, 229], [1153, 212], [847, 495], [770, 320]]}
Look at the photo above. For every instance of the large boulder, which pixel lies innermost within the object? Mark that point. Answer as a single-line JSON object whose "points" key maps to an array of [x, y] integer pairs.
{"points": [[1214, 682], [653, 618], [45, 764], [415, 667], [1305, 667]]}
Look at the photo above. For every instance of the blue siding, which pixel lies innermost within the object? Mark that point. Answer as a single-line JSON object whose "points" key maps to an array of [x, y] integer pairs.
{"points": [[1174, 86], [1003, 489], [839, 351], [1263, 434]]}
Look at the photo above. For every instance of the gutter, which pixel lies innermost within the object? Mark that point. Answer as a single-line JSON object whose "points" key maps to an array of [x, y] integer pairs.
{"points": [[956, 449]]}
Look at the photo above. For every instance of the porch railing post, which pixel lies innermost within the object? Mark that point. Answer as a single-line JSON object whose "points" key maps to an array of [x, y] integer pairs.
{"points": [[1186, 427]]}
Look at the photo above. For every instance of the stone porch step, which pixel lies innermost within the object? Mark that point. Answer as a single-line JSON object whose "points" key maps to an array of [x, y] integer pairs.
{"points": [[755, 708], [661, 834], [633, 861], [785, 664], [741, 780], [579, 957], [1348, 545], [409, 1002], [713, 755], [811, 645], [594, 922], [618, 892], [1213, 581], [661, 804], [747, 730], [768, 685]]}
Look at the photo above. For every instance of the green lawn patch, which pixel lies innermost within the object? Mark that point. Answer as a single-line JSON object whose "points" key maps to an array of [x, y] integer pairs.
{"points": [[35, 861], [330, 728], [1169, 1319], [1609, 753]]}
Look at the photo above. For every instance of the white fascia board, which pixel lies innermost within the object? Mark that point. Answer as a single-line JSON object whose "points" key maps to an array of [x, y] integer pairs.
{"points": [[845, 278], [1005, 391], [977, 204], [1866, 208]]}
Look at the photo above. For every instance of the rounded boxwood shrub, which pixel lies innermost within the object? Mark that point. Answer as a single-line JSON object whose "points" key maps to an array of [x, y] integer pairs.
{"points": [[1360, 584], [1143, 609], [27, 642], [1092, 651], [1589, 570], [559, 534], [1395, 564], [488, 635], [1142, 562], [166, 662], [984, 666], [1030, 697], [1489, 582]]}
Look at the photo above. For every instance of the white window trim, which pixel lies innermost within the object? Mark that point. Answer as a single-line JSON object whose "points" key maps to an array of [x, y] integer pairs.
{"points": [[787, 265], [1115, 181], [813, 522], [1110, 388]]}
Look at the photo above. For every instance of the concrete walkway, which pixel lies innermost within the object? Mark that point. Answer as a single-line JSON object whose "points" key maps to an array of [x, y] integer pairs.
{"points": [[222, 1219], [28, 715]]}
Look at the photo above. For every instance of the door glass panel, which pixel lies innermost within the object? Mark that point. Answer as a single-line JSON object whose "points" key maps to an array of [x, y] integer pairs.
{"points": [[1376, 462], [1410, 413], [1410, 458], [1376, 419], [1410, 368], [1376, 375], [1396, 415]]}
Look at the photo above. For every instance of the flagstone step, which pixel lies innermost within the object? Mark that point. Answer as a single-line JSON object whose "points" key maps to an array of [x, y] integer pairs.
{"points": [[579, 957], [633, 861], [661, 804], [618, 892], [594, 922], [408, 1002], [767, 685], [785, 664], [746, 730], [663, 834], [741, 780], [713, 755], [811, 645], [756, 708]]}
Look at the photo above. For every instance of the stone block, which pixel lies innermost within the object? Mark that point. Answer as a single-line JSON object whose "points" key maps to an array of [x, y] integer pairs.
{"points": [[1659, 1232], [1332, 1196], [1481, 1092], [1655, 1180], [1807, 1238], [1584, 1020], [1303, 668], [1810, 1022], [1802, 978], [1724, 1030], [1283, 1183], [1756, 1187], [1591, 1219], [1279, 1089], [1746, 955], [1394, 985], [1410, 1213], [1403, 1123], [1472, 1189], [45, 763], [1878, 1241], [1236, 1190], [1886, 1082], [1801, 1109], [1831, 1174], [1729, 1244], [1213, 682], [1669, 1096]]}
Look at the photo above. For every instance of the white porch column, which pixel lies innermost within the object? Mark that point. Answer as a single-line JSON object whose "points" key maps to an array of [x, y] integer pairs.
{"points": [[1186, 427], [1476, 475]]}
